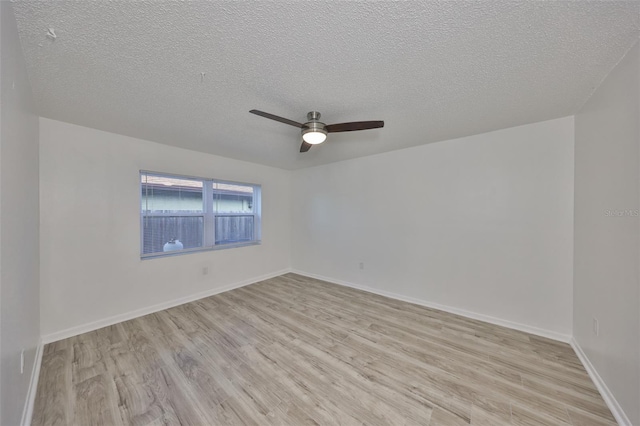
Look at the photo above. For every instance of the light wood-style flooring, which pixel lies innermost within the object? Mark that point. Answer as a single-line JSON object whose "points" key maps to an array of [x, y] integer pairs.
{"points": [[297, 351]]}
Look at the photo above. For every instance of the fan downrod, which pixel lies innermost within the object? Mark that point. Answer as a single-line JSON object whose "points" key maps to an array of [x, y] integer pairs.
{"points": [[313, 116]]}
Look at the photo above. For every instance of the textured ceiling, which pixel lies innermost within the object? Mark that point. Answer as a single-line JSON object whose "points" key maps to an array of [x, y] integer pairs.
{"points": [[431, 70]]}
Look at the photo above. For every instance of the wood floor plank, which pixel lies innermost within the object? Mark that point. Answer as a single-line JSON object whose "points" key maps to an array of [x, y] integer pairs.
{"points": [[299, 351], [96, 404], [491, 414], [55, 402]]}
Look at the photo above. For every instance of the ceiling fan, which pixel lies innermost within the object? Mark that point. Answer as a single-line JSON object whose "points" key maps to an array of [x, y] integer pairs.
{"points": [[315, 132]]}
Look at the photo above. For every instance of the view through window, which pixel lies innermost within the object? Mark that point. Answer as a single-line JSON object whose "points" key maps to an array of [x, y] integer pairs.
{"points": [[182, 214]]}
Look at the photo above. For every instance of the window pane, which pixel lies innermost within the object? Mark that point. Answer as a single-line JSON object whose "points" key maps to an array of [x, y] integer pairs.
{"points": [[162, 194], [234, 229], [232, 198], [160, 230]]}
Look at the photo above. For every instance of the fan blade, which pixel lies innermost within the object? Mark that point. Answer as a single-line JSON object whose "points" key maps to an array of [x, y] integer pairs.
{"points": [[305, 146], [356, 125], [275, 117]]}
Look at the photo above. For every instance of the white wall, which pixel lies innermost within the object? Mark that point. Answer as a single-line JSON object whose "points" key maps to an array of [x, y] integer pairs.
{"points": [[481, 224], [90, 226], [607, 286], [20, 305]]}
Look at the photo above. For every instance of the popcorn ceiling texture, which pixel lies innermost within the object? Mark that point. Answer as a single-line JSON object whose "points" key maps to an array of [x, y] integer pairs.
{"points": [[432, 70]]}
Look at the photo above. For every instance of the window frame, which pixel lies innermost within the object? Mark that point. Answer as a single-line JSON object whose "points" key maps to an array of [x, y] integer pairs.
{"points": [[208, 214]]}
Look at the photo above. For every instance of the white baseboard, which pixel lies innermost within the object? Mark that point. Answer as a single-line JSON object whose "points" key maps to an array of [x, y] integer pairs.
{"points": [[608, 397], [27, 412], [566, 338], [84, 328]]}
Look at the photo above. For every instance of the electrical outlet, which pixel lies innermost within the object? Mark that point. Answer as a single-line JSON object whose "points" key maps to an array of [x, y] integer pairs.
{"points": [[22, 362], [205, 270], [596, 326], [361, 266]]}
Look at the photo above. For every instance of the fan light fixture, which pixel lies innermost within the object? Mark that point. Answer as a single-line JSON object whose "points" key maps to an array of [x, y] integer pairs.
{"points": [[314, 136]]}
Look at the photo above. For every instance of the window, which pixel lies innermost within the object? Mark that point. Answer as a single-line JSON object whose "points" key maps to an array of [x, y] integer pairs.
{"points": [[181, 214]]}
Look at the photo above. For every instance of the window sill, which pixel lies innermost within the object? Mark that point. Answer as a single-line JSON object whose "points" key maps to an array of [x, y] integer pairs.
{"points": [[199, 250]]}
